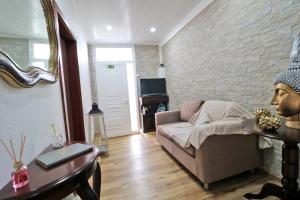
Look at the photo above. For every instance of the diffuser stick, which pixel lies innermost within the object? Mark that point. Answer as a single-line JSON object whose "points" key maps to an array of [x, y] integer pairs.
{"points": [[22, 146], [9, 153], [54, 130], [13, 150]]}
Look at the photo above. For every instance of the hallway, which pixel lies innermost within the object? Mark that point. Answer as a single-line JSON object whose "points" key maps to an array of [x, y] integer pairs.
{"points": [[137, 168]]}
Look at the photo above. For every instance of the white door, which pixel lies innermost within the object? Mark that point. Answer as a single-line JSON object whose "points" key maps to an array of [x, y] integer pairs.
{"points": [[113, 98]]}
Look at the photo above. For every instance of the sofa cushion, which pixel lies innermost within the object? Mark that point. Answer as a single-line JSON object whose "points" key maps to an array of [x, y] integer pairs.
{"points": [[215, 110], [194, 118], [179, 132], [190, 150], [188, 108], [163, 137]]}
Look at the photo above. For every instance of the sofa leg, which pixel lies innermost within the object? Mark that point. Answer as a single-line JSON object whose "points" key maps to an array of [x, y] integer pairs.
{"points": [[206, 186]]}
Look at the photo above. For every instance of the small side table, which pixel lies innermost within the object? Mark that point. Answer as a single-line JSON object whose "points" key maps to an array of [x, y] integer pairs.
{"points": [[290, 162], [61, 180]]}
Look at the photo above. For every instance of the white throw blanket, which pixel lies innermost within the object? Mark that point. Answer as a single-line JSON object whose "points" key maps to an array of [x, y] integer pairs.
{"points": [[180, 132], [220, 127], [215, 118], [186, 134]]}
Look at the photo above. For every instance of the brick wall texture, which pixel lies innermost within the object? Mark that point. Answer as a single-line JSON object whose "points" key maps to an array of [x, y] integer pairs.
{"points": [[147, 60], [232, 51], [93, 74]]}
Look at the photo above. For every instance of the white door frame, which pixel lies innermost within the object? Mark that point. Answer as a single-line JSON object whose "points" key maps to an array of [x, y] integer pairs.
{"points": [[95, 64]]}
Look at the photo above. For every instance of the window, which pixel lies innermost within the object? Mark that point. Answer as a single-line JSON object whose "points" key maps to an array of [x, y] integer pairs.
{"points": [[39, 54]]}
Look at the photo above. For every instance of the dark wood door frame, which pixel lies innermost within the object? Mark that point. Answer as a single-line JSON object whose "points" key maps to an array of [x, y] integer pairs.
{"points": [[70, 83]]}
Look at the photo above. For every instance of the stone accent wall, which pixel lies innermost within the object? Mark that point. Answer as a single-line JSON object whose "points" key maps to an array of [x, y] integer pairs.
{"points": [[93, 83], [232, 51], [17, 48], [147, 60], [93, 74]]}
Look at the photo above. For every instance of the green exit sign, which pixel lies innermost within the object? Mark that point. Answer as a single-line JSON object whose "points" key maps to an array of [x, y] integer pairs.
{"points": [[110, 67]]}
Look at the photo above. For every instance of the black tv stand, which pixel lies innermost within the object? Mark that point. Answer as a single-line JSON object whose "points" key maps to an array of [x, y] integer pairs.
{"points": [[148, 107], [154, 94]]}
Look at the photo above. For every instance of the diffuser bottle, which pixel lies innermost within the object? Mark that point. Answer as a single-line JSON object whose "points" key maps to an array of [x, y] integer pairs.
{"points": [[20, 175]]}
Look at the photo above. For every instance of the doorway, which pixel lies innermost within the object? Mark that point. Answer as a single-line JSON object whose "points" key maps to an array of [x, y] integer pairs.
{"points": [[116, 88], [70, 84]]}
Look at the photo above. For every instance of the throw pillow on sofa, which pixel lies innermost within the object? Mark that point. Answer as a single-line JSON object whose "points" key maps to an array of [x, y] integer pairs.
{"points": [[193, 119], [188, 108], [214, 110]]}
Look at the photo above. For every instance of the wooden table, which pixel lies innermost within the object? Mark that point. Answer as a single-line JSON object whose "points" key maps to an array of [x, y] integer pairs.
{"points": [[57, 182], [290, 162]]}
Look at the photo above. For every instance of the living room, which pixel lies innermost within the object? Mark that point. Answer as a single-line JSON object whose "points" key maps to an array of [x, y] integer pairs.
{"points": [[209, 50]]}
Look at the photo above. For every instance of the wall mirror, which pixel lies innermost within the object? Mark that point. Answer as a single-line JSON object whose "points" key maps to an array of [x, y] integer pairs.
{"points": [[28, 42]]}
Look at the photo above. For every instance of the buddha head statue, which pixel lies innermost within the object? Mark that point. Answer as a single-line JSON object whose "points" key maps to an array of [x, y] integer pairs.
{"points": [[287, 92]]}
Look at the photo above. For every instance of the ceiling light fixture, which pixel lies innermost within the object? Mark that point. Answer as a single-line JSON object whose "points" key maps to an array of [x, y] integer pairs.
{"points": [[152, 29], [109, 27]]}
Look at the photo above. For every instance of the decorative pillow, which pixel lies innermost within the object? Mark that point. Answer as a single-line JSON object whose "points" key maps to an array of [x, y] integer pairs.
{"points": [[203, 118], [193, 119], [188, 108], [216, 110]]}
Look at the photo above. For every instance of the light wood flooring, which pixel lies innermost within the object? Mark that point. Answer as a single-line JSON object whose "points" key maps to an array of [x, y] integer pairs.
{"points": [[137, 168]]}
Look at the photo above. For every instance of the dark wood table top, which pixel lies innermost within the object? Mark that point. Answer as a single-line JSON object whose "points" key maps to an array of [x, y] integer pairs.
{"points": [[283, 133], [42, 179]]}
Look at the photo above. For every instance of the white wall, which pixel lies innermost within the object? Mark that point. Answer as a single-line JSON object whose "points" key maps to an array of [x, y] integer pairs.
{"points": [[32, 110], [28, 111], [74, 23]]}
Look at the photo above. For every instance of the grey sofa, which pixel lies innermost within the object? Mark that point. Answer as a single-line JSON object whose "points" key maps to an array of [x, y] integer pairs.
{"points": [[219, 157]]}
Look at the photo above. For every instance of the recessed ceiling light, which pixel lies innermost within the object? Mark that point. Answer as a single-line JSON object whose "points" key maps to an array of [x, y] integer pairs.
{"points": [[109, 27], [152, 29]]}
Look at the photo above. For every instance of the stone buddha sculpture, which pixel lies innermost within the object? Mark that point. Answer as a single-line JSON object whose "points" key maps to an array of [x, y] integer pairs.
{"points": [[287, 92]]}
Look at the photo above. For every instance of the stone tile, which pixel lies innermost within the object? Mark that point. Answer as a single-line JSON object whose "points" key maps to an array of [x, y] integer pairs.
{"points": [[233, 50], [147, 60]]}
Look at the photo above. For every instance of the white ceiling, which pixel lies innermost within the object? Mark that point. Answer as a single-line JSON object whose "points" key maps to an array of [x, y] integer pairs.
{"points": [[132, 19]]}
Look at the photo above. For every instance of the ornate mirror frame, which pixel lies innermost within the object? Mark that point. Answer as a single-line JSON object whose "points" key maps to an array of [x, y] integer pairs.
{"points": [[20, 78]]}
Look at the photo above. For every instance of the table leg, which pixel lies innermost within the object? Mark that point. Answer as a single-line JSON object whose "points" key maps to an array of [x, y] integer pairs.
{"points": [[97, 180], [86, 192], [290, 173], [268, 189], [290, 170]]}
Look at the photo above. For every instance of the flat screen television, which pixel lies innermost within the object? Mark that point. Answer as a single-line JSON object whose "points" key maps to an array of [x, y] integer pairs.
{"points": [[152, 86]]}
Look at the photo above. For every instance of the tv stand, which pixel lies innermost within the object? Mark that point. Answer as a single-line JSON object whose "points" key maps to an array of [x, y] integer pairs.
{"points": [[148, 107], [155, 94]]}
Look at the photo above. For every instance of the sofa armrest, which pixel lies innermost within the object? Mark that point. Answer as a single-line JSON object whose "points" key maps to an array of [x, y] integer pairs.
{"points": [[167, 117], [222, 156]]}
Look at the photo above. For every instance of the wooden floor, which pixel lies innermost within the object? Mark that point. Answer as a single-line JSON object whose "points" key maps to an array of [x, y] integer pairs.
{"points": [[137, 168]]}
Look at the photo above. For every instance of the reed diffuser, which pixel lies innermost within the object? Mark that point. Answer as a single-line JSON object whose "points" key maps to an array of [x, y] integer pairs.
{"points": [[57, 139], [20, 176]]}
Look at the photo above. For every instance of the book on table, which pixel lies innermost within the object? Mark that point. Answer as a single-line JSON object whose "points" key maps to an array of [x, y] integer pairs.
{"points": [[61, 155]]}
